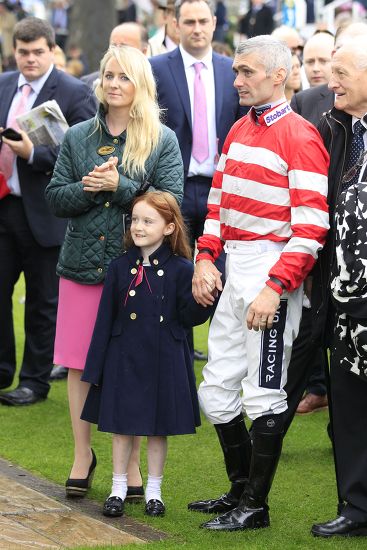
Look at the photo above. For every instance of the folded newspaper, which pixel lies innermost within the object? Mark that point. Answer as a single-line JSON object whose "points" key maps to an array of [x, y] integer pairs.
{"points": [[45, 124]]}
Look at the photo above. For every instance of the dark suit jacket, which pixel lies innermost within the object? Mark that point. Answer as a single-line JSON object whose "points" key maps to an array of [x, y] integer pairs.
{"points": [[89, 79], [173, 96], [313, 103], [74, 99]]}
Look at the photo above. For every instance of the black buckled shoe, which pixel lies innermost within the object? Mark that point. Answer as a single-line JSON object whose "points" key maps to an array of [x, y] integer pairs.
{"points": [[113, 507], [341, 526], [79, 487], [224, 503], [241, 518], [154, 508]]}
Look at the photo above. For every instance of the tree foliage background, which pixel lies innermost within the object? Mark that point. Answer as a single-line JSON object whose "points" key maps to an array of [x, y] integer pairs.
{"points": [[91, 22]]}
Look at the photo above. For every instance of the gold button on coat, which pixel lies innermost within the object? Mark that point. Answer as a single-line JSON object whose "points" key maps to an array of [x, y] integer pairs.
{"points": [[160, 272], [99, 270], [133, 316], [115, 140], [107, 204], [155, 262], [132, 292], [101, 238], [134, 270]]}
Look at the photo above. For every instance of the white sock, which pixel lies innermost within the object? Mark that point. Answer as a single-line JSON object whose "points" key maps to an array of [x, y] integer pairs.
{"points": [[153, 489], [119, 485]]}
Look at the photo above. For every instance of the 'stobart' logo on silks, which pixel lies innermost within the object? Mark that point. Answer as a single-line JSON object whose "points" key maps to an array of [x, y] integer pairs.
{"points": [[271, 353], [276, 114]]}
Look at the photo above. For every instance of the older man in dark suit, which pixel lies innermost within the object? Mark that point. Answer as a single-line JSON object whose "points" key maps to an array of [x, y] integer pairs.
{"points": [[30, 236]]}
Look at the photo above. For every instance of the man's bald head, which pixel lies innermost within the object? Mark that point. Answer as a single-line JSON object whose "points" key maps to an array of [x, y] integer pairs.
{"points": [[290, 36], [130, 34], [317, 58]]}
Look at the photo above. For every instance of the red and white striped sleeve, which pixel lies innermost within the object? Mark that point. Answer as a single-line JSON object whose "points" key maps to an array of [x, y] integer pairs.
{"points": [[307, 176]]}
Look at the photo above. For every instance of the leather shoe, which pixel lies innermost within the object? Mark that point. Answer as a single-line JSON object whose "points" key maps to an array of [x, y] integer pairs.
{"points": [[312, 403], [224, 503], [241, 518], [6, 380], [79, 487], [341, 526], [135, 494], [58, 373], [20, 396], [154, 508], [113, 507], [199, 355]]}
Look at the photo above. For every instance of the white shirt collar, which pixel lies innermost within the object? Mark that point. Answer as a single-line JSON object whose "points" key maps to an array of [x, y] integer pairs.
{"points": [[36, 85], [189, 60]]}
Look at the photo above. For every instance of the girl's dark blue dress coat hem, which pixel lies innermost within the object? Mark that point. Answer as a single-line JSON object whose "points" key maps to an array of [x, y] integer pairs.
{"points": [[139, 357]]}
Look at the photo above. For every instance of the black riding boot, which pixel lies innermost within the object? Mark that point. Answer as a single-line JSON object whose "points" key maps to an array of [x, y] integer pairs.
{"points": [[252, 511], [236, 446]]}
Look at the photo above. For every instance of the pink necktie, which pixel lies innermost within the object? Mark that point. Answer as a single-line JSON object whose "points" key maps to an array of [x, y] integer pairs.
{"points": [[200, 144], [6, 154]]}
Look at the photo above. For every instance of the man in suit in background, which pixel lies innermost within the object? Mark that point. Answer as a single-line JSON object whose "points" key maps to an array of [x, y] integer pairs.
{"points": [[187, 78], [127, 34], [313, 103], [318, 99], [30, 236]]}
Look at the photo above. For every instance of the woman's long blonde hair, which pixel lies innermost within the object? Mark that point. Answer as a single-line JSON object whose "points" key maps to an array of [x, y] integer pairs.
{"points": [[143, 129]]}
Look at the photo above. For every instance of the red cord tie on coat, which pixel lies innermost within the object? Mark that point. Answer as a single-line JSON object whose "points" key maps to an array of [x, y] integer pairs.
{"points": [[141, 274]]}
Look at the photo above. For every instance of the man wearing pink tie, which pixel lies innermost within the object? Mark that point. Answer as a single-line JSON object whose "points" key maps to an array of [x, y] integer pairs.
{"points": [[195, 91], [30, 236]]}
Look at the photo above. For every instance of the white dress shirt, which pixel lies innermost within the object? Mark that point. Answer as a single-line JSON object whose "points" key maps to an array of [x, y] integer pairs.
{"points": [[207, 167], [36, 85]]}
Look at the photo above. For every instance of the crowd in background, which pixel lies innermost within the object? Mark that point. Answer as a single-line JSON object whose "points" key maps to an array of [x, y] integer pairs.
{"points": [[235, 22]]}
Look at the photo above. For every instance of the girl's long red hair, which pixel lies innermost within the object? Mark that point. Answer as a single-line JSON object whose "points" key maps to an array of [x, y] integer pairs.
{"points": [[167, 206]]}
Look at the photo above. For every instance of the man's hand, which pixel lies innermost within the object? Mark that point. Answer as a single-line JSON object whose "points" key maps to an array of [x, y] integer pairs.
{"points": [[261, 312], [205, 281], [23, 148], [102, 178]]}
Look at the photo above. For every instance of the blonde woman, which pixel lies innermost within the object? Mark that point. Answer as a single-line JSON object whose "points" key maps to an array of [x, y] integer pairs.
{"points": [[103, 164]]}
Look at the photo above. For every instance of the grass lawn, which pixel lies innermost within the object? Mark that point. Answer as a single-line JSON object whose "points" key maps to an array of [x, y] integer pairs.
{"points": [[39, 439]]}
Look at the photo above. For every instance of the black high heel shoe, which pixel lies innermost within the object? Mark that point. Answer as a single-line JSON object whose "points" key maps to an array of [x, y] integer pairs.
{"points": [[79, 487], [135, 494]]}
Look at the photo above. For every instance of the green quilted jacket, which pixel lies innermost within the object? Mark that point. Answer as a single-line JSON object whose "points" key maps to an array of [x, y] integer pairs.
{"points": [[94, 234]]}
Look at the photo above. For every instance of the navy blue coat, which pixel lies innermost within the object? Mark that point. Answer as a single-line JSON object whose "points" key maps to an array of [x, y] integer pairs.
{"points": [[139, 355]]}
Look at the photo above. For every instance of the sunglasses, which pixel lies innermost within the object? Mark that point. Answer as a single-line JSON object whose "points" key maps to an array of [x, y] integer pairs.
{"points": [[349, 175]]}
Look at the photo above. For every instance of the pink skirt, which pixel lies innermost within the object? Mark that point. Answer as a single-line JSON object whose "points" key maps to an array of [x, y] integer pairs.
{"points": [[76, 316]]}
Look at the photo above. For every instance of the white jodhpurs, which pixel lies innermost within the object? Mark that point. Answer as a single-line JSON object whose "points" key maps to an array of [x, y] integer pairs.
{"points": [[247, 370]]}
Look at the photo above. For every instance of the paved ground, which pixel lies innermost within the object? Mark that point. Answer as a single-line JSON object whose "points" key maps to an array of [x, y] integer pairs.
{"points": [[34, 513]]}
